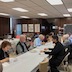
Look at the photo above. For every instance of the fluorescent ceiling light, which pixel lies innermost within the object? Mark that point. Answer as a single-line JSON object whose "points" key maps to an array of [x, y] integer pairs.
{"points": [[55, 2], [42, 14], [20, 9], [69, 9], [7, 0], [4, 14], [66, 15], [24, 16]]}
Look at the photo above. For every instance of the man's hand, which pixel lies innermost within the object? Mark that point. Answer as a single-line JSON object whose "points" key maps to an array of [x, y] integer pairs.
{"points": [[45, 49]]}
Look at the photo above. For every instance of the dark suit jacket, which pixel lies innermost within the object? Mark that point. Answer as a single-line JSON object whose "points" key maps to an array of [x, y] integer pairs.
{"points": [[58, 53], [2, 54]]}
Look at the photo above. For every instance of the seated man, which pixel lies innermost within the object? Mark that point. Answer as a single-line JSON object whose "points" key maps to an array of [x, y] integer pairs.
{"points": [[57, 53], [38, 41], [21, 45], [5, 46]]}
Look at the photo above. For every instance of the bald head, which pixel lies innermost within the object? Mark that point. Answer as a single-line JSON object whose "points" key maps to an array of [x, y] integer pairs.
{"points": [[41, 36], [22, 38]]}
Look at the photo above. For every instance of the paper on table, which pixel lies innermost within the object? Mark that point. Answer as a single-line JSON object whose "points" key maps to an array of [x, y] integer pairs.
{"points": [[33, 51], [48, 50], [12, 60], [5, 64]]}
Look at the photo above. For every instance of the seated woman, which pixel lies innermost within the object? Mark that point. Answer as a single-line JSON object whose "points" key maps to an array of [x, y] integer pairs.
{"points": [[5, 46]]}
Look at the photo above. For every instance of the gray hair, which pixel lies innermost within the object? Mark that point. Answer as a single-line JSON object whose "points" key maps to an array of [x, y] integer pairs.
{"points": [[22, 36], [41, 35]]}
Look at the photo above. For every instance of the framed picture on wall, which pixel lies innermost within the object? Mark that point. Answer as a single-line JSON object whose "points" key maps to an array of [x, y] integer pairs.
{"points": [[37, 27], [24, 27], [30, 28]]}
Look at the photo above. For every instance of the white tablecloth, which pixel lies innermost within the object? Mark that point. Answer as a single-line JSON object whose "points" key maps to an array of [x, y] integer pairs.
{"points": [[27, 62]]}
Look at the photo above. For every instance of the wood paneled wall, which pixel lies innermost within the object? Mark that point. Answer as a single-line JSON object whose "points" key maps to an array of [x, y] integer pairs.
{"points": [[60, 21], [4, 26], [29, 21], [57, 21], [5, 23]]}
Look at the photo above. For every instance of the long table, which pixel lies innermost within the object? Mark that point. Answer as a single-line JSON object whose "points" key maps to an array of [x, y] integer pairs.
{"points": [[27, 62]]}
